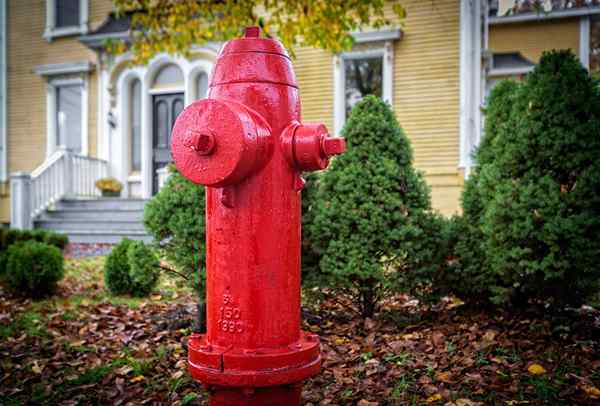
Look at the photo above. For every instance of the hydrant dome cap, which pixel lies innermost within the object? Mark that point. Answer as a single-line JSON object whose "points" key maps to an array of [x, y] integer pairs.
{"points": [[260, 45]]}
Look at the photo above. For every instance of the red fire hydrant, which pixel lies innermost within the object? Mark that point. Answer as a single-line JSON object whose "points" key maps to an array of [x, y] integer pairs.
{"points": [[246, 144]]}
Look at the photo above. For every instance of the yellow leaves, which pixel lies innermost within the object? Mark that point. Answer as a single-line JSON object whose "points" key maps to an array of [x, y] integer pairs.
{"points": [[37, 368], [155, 298], [434, 398], [591, 391], [536, 369], [138, 378]]}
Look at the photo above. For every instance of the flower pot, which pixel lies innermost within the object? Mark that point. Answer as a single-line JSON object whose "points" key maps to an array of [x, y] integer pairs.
{"points": [[110, 193]]}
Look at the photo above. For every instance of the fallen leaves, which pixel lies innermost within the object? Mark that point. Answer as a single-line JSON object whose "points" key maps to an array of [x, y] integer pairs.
{"points": [[536, 369], [82, 348]]}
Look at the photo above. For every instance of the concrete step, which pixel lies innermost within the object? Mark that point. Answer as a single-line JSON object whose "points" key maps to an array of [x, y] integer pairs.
{"points": [[102, 220], [108, 203], [102, 225], [96, 215], [90, 237]]}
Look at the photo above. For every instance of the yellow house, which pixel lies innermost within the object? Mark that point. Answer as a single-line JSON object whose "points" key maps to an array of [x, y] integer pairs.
{"points": [[70, 113]]}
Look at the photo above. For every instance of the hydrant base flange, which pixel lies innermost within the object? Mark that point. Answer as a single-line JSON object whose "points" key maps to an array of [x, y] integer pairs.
{"points": [[222, 366]]}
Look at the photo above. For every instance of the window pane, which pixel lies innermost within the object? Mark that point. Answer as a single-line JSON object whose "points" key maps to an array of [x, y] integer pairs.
{"points": [[68, 120], [136, 125], [363, 77], [201, 86], [67, 13], [169, 76]]}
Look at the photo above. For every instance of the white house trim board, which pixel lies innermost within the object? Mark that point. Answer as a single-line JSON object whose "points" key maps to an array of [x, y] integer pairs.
{"points": [[64, 68], [386, 52], [362, 37], [470, 80], [541, 16], [584, 41], [52, 31], [3, 95]]}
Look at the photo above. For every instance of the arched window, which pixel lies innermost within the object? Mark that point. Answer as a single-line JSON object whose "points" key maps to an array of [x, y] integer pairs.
{"points": [[168, 76], [201, 85], [136, 124]]}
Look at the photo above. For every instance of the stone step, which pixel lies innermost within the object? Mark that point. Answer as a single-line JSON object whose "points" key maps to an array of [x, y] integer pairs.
{"points": [[108, 203], [97, 215], [99, 225], [91, 237]]}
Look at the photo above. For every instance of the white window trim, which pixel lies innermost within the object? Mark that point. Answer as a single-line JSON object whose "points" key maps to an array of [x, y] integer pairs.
{"points": [[52, 136], [472, 81], [52, 31], [386, 51], [3, 96], [584, 41]]}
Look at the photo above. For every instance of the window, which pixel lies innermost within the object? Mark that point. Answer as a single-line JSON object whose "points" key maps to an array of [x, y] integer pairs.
{"points": [[201, 85], [363, 76], [69, 117], [65, 17], [66, 13], [169, 76], [136, 125]]}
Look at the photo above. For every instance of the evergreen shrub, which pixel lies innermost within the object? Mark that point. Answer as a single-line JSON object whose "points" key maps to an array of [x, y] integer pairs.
{"points": [[131, 268], [116, 269], [534, 202], [371, 212], [10, 237], [144, 269], [33, 268], [175, 218]]}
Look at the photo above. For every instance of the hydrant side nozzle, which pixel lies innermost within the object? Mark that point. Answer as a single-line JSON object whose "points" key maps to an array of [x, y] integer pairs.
{"points": [[333, 145]]}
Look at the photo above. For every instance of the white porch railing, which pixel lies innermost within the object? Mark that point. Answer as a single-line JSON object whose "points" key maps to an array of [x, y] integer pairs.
{"points": [[64, 174]]}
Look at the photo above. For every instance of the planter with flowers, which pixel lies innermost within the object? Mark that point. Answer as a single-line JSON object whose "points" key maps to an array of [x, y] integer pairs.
{"points": [[110, 187]]}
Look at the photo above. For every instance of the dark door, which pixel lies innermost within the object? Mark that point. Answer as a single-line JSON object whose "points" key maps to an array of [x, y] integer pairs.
{"points": [[166, 108]]}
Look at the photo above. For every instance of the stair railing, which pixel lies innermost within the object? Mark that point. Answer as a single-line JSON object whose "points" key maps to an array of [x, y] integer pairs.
{"points": [[63, 174]]}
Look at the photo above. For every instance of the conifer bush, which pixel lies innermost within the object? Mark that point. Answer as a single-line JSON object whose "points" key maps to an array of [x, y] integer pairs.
{"points": [[33, 268], [536, 194], [175, 219], [144, 269], [131, 268], [116, 269], [370, 208]]}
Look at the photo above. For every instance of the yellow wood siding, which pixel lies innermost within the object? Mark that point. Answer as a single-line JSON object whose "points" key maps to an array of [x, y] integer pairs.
{"points": [[426, 92], [26, 109], [533, 38]]}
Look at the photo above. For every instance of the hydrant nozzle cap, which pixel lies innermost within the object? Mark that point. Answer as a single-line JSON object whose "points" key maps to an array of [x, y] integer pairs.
{"points": [[333, 146]]}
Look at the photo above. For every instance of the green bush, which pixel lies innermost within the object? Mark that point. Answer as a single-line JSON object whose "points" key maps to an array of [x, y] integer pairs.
{"points": [[533, 206], [175, 218], [144, 268], [9, 237], [131, 268], [116, 269], [470, 276], [33, 268], [370, 209]]}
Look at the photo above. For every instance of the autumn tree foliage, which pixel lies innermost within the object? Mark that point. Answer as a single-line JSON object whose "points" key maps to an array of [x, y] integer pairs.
{"points": [[533, 204], [368, 208], [173, 26]]}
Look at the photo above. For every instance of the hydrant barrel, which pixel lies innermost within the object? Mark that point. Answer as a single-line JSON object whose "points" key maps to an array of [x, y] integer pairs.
{"points": [[246, 143]]}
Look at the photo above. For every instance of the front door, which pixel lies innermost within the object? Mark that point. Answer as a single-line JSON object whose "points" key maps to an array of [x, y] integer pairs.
{"points": [[166, 108]]}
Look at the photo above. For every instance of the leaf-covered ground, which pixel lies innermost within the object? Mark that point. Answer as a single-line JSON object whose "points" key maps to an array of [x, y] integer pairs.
{"points": [[84, 347]]}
